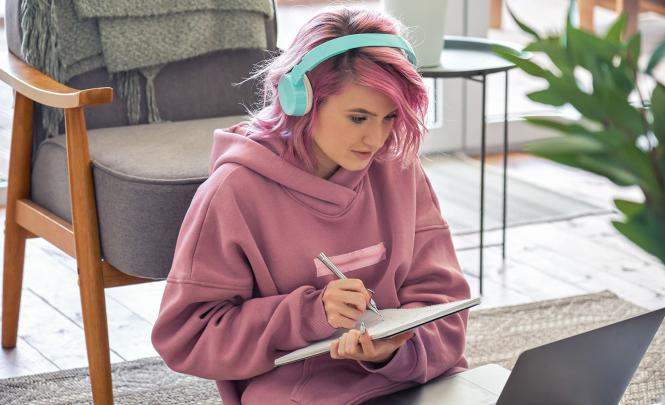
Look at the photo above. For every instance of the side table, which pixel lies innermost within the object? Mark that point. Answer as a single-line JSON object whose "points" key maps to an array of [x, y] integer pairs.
{"points": [[474, 59]]}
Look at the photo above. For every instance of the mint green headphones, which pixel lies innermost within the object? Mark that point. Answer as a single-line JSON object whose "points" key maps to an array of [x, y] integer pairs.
{"points": [[294, 88]]}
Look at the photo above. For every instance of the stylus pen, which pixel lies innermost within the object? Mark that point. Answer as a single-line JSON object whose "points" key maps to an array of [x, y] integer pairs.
{"points": [[329, 264]]}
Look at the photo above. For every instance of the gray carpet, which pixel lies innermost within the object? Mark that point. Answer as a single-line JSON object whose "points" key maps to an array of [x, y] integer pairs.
{"points": [[456, 182], [494, 336]]}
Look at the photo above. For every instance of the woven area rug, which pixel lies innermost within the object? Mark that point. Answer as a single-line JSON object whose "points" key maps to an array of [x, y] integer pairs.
{"points": [[494, 336]]}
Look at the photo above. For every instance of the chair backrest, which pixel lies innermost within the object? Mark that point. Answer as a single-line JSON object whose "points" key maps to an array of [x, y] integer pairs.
{"points": [[200, 87]]}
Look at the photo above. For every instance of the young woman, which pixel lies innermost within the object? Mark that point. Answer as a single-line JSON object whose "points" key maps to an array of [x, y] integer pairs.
{"points": [[341, 177]]}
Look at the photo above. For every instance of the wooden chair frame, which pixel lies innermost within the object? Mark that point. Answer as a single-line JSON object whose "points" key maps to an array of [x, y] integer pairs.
{"points": [[26, 219]]}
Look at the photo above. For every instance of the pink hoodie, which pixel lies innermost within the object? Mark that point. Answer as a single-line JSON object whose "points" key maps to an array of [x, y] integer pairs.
{"points": [[245, 287]]}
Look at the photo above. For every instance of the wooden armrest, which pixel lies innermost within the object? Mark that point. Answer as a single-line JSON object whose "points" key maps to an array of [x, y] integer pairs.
{"points": [[39, 87]]}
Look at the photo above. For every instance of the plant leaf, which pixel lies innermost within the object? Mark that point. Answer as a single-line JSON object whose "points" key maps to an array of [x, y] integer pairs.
{"points": [[568, 128], [658, 113], [588, 153], [624, 77], [522, 25], [656, 56], [552, 48], [524, 64], [547, 96], [569, 23], [646, 230], [566, 145], [570, 13], [623, 115], [617, 28], [629, 208], [633, 50], [605, 165], [586, 104], [629, 164], [588, 44]]}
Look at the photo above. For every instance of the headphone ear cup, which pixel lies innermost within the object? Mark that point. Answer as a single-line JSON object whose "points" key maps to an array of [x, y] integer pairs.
{"points": [[292, 95]]}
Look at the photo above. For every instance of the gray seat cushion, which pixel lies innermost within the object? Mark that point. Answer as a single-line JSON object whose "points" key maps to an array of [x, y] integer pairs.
{"points": [[145, 177]]}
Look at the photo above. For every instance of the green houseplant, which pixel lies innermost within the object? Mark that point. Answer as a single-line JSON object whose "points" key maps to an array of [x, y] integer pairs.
{"points": [[616, 139]]}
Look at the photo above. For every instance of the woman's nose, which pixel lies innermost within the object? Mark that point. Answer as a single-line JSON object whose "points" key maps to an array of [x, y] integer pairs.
{"points": [[375, 138]]}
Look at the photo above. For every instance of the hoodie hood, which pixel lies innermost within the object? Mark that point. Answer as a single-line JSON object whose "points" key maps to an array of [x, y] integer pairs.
{"points": [[266, 156]]}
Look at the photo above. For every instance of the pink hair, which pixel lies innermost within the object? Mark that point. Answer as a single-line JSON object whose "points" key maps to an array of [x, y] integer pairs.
{"points": [[382, 68]]}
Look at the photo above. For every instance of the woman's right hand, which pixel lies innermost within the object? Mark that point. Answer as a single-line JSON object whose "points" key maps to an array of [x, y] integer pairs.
{"points": [[345, 301]]}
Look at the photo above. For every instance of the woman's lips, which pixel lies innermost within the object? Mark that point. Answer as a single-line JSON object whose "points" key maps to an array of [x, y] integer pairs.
{"points": [[363, 155]]}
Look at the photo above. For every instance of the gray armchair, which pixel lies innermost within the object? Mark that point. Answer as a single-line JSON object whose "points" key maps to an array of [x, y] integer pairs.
{"points": [[110, 194]]}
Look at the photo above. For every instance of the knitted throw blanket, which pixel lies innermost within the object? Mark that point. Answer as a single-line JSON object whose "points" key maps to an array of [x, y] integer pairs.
{"points": [[65, 38]]}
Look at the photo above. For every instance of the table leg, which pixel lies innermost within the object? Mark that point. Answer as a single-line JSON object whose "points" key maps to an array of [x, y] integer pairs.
{"points": [[482, 185]]}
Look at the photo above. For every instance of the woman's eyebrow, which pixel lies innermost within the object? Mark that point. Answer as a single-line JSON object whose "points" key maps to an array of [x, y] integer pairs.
{"points": [[363, 111]]}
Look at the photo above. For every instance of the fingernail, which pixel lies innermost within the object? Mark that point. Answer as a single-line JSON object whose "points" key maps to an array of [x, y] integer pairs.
{"points": [[362, 328]]}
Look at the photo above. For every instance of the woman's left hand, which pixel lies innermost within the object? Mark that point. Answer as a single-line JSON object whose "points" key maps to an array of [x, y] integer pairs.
{"points": [[352, 345]]}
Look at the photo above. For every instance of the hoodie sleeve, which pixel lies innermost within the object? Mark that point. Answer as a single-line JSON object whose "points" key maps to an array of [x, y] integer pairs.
{"points": [[434, 278], [209, 325]]}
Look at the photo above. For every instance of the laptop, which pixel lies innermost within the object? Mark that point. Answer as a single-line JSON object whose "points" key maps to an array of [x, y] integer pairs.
{"points": [[592, 368]]}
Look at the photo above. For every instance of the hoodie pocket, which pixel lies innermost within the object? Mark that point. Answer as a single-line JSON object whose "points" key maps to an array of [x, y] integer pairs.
{"points": [[353, 260]]}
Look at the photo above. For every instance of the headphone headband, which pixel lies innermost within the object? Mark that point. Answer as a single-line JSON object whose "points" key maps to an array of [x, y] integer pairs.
{"points": [[342, 44], [295, 91]]}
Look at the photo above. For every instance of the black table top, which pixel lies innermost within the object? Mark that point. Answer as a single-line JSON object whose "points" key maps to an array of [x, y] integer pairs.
{"points": [[471, 56]]}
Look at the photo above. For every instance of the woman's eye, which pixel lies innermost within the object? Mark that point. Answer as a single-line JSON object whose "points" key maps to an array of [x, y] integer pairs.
{"points": [[360, 119]]}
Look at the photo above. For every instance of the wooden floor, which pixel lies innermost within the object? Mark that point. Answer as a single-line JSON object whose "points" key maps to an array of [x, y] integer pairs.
{"points": [[544, 261]]}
